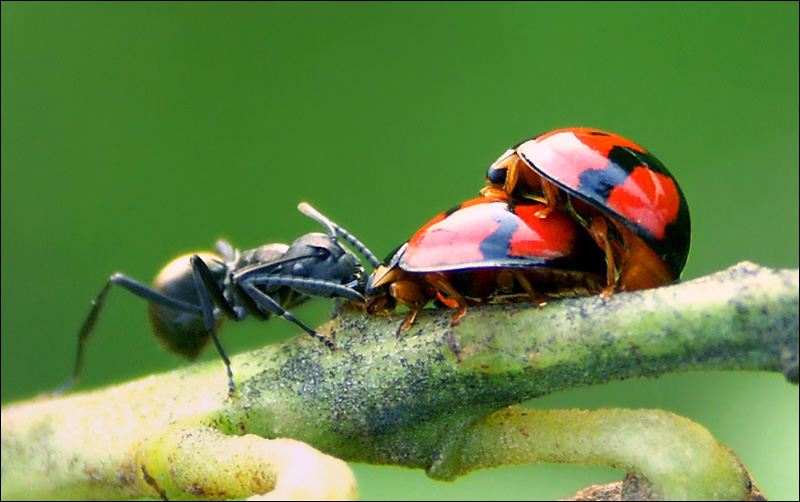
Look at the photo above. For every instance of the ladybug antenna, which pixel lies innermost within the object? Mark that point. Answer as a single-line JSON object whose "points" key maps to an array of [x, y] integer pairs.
{"points": [[335, 230]]}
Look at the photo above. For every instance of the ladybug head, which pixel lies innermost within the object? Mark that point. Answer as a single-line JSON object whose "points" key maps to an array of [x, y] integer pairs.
{"points": [[377, 289], [496, 174]]}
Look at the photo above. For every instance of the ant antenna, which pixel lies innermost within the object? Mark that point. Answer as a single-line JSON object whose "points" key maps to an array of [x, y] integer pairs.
{"points": [[335, 230], [309, 211]]}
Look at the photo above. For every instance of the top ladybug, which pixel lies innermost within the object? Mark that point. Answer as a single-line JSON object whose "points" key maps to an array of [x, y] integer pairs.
{"points": [[601, 178]]}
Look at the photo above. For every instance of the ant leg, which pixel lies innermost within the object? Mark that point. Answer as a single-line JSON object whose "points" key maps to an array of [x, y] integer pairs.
{"points": [[208, 284], [83, 334], [310, 287], [138, 289], [210, 294], [266, 302]]}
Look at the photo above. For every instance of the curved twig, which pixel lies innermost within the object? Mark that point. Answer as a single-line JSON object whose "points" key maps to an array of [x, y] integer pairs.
{"points": [[413, 401]]}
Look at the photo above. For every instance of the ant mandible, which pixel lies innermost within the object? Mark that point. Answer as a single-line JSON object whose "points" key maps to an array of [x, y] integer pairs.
{"points": [[194, 293]]}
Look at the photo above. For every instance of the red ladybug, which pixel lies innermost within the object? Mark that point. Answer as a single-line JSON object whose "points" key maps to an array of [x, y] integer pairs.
{"points": [[487, 250], [622, 194]]}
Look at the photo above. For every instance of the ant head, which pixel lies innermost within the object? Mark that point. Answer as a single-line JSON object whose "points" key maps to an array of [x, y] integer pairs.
{"points": [[320, 256]]}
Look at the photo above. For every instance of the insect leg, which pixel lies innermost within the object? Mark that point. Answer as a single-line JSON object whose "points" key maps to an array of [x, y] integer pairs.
{"points": [[134, 287], [264, 301], [440, 283], [309, 287], [210, 294]]}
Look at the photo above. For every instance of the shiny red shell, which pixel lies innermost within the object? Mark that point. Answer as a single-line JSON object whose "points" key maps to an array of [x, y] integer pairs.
{"points": [[489, 233], [615, 176]]}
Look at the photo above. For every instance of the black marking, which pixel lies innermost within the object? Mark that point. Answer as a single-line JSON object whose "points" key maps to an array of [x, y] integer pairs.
{"points": [[452, 210], [496, 245], [629, 159], [394, 257], [673, 248], [625, 158], [598, 183]]}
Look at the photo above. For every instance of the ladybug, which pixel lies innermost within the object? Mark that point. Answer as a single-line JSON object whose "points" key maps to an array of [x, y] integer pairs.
{"points": [[626, 198], [487, 250]]}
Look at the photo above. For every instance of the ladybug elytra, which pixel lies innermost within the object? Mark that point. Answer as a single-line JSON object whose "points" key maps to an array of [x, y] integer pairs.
{"points": [[626, 198], [487, 250]]}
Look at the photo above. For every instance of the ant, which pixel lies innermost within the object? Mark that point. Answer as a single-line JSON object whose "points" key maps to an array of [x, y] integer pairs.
{"points": [[194, 293]]}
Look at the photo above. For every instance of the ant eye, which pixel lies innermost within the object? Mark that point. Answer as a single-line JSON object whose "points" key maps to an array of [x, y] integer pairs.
{"points": [[323, 253]]}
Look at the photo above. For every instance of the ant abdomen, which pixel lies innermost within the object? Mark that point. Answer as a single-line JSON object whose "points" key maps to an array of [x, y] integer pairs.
{"points": [[182, 333]]}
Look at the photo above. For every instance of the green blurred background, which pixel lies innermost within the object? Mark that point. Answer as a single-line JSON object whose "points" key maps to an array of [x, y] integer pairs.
{"points": [[132, 133]]}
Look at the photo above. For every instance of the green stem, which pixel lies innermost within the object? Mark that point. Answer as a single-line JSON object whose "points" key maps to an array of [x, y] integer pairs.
{"points": [[404, 401], [674, 458]]}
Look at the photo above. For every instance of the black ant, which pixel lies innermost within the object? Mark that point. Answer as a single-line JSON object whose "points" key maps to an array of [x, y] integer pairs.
{"points": [[194, 293]]}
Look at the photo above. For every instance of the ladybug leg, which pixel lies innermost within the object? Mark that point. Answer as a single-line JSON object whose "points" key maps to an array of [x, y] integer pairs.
{"points": [[505, 282], [441, 284], [598, 228], [512, 174], [574, 212], [641, 267], [410, 294], [536, 297], [448, 302], [550, 193], [409, 321]]}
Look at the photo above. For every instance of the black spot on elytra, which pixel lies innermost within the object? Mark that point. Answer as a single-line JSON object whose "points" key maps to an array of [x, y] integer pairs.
{"points": [[392, 258], [599, 182], [629, 158], [622, 160], [625, 158], [596, 185], [452, 210], [496, 245]]}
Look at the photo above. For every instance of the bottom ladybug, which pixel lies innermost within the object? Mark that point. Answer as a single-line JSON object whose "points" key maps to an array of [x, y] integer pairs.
{"points": [[486, 250]]}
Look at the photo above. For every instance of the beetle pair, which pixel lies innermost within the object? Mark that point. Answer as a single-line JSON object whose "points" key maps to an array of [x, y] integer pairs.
{"points": [[572, 212], [530, 236]]}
